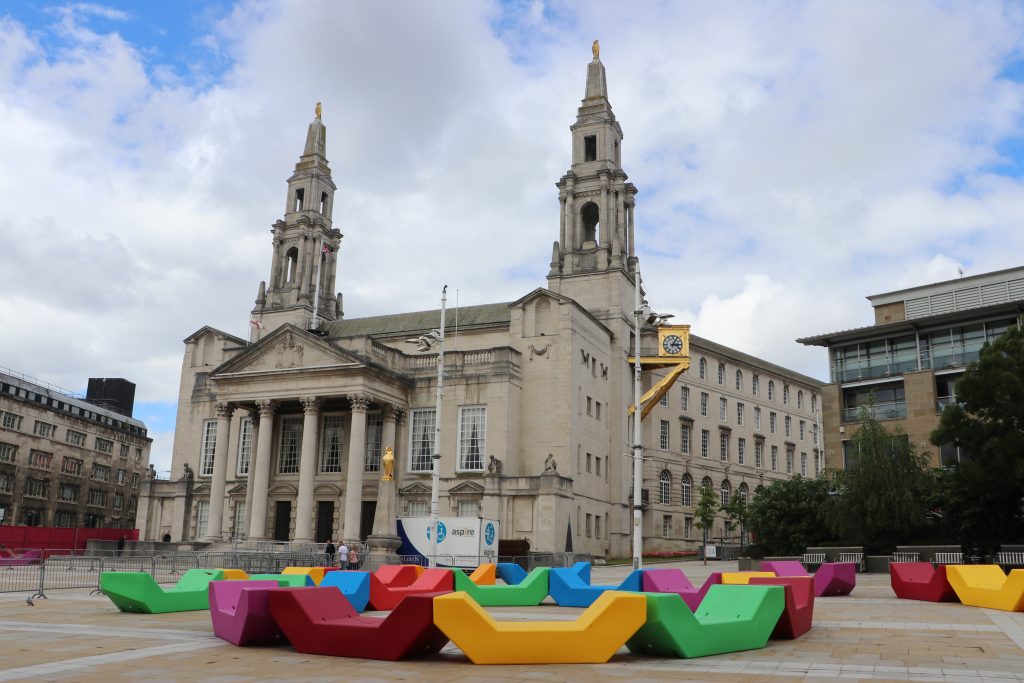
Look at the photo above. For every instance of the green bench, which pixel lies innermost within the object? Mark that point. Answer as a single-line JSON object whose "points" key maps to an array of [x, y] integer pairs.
{"points": [[529, 592], [139, 592]]}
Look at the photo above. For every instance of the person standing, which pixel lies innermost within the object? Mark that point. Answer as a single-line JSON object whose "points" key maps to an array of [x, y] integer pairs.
{"points": [[329, 550], [353, 558], [342, 554], [120, 546]]}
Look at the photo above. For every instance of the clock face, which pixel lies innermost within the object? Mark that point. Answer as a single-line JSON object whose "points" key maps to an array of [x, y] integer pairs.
{"points": [[673, 344]]}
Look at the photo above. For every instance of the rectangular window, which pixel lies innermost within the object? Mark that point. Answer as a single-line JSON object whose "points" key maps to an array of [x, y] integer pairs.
{"points": [[704, 403], [124, 450], [666, 526], [72, 466], [11, 421], [775, 458], [803, 464], [421, 446], [597, 411], [757, 419], [741, 451], [705, 442], [723, 410], [104, 445], [291, 441], [202, 517], [75, 438], [684, 399], [97, 498], [590, 462], [589, 148], [43, 429], [374, 436], [8, 452], [688, 528], [665, 426], [589, 525], [663, 402], [789, 426], [41, 460], [723, 443], [472, 437], [138, 455], [739, 414], [469, 508], [244, 446], [597, 465], [590, 406], [239, 529], [758, 454], [772, 422], [684, 439], [38, 488], [419, 508], [207, 448], [67, 493], [331, 443], [118, 501], [789, 460], [814, 433], [597, 526], [92, 521], [122, 477], [65, 519], [100, 472], [135, 480], [6, 482], [803, 426]]}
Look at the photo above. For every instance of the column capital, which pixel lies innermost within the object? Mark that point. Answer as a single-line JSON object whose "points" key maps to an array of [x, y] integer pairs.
{"points": [[389, 412], [311, 404], [267, 408], [360, 402], [400, 414], [225, 410]]}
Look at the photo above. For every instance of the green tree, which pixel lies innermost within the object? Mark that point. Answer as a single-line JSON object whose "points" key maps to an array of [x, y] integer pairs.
{"points": [[707, 506], [984, 505], [737, 511], [882, 497], [789, 515]]}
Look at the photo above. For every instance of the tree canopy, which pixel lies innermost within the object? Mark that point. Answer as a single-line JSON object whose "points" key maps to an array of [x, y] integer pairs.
{"points": [[790, 515]]}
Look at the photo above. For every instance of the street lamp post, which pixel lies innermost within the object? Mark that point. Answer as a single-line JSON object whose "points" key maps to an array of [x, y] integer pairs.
{"points": [[435, 474], [638, 449]]}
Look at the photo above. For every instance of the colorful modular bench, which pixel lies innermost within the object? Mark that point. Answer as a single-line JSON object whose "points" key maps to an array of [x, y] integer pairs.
{"points": [[429, 607]]}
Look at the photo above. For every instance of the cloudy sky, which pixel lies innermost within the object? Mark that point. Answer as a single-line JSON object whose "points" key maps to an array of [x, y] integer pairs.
{"points": [[791, 157]]}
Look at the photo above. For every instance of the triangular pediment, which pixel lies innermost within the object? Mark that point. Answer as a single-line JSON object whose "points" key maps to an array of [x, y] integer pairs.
{"points": [[288, 348], [467, 488], [283, 490], [417, 488], [237, 490], [200, 489]]}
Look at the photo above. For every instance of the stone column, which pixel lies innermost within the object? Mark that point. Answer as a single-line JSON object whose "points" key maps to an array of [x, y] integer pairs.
{"points": [[617, 231], [254, 415], [275, 265], [571, 230], [356, 465], [215, 520], [261, 467], [307, 468], [629, 215], [561, 226], [604, 239]]}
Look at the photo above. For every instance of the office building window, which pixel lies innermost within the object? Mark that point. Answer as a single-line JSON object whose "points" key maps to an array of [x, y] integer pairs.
{"points": [[739, 380], [703, 368], [469, 508], [771, 390], [723, 410], [67, 493], [6, 482], [665, 426], [726, 490], [41, 460], [785, 394], [799, 399], [472, 437], [100, 472], [421, 447], [104, 445], [11, 421], [97, 498], [75, 438], [8, 452], [755, 382], [663, 402], [684, 399], [721, 373], [239, 529], [789, 460], [686, 489], [704, 403], [789, 425], [289, 445], [803, 464], [122, 476], [705, 442], [202, 518], [757, 419], [331, 441], [803, 425], [374, 434], [739, 414], [758, 454], [666, 526], [772, 422], [244, 445], [207, 449], [43, 429], [775, 458], [723, 443], [65, 519], [419, 508], [741, 451], [684, 439], [124, 450], [665, 487], [688, 528]]}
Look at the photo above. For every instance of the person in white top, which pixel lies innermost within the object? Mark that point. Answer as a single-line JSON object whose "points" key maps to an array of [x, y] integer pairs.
{"points": [[342, 555]]}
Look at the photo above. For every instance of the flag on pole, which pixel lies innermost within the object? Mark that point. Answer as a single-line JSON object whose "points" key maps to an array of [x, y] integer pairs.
{"points": [[326, 249], [256, 323]]}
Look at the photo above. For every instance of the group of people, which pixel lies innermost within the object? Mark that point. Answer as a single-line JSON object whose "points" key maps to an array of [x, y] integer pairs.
{"points": [[347, 557]]}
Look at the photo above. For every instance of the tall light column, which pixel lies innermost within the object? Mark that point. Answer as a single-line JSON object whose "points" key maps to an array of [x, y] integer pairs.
{"points": [[435, 475], [307, 468], [356, 466], [215, 519], [261, 475], [638, 449]]}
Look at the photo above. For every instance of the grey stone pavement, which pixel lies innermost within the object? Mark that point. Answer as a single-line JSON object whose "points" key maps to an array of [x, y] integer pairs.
{"points": [[870, 635]]}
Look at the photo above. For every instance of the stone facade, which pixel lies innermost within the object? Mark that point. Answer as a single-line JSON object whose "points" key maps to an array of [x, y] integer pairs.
{"points": [[908, 362], [65, 462], [284, 430]]}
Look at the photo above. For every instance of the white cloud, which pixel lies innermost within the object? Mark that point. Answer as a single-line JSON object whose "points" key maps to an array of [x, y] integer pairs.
{"points": [[791, 159]]}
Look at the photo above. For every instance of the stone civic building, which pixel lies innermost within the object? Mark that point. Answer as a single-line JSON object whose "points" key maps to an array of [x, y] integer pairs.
{"points": [[67, 461], [904, 368], [282, 433]]}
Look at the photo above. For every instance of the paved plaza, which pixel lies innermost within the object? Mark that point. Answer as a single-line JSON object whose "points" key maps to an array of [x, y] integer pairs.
{"points": [[870, 635]]}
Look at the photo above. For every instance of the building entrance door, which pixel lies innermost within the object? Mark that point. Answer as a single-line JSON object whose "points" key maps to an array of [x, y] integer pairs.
{"points": [[282, 520], [366, 521], [324, 520]]}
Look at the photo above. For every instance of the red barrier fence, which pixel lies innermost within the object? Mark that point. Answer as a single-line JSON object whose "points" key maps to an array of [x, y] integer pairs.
{"points": [[46, 537]]}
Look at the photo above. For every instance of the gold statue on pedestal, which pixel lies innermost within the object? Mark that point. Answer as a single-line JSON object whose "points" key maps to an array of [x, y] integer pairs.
{"points": [[388, 464], [318, 110], [596, 49]]}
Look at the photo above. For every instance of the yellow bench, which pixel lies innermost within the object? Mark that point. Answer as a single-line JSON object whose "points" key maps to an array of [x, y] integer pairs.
{"points": [[743, 578], [315, 573], [985, 585], [485, 575]]}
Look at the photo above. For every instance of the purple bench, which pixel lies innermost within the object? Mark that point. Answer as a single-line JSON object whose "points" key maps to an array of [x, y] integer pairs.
{"points": [[26, 558], [832, 578], [675, 581], [240, 611]]}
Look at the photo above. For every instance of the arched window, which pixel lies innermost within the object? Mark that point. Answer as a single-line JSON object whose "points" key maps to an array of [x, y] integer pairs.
{"points": [[721, 373], [292, 257], [706, 483], [800, 400], [739, 380], [814, 404], [754, 382], [785, 394], [590, 217], [771, 390], [742, 492], [703, 367], [687, 487], [665, 487], [726, 489]]}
